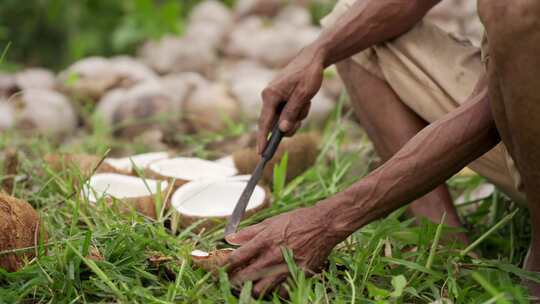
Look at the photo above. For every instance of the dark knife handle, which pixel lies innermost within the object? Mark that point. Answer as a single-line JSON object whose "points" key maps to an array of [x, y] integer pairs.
{"points": [[275, 138], [273, 143]]}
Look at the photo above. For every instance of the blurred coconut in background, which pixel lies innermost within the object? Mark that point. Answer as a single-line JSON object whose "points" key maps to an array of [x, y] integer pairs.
{"points": [[39, 110]]}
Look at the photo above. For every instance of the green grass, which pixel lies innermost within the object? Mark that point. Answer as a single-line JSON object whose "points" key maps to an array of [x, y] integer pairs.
{"points": [[388, 261]]}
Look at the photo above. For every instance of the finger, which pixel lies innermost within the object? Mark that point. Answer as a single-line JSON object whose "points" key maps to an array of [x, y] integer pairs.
{"points": [[293, 130], [305, 111], [244, 235], [268, 284], [241, 256], [268, 116], [291, 113], [263, 266]]}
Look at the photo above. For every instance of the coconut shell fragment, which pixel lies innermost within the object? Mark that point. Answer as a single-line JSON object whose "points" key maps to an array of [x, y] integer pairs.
{"points": [[132, 193], [211, 202], [211, 261], [19, 228], [186, 169], [301, 150]]}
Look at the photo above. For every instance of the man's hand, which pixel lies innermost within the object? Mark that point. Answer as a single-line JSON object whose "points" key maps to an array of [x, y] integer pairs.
{"points": [[305, 231], [295, 85]]}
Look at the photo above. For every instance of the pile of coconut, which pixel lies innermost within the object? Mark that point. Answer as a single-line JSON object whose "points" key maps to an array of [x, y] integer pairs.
{"points": [[200, 81]]}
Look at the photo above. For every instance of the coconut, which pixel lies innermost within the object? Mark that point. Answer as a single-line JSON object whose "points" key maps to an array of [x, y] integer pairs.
{"points": [[301, 151], [19, 228], [211, 261], [141, 161], [35, 78], [173, 54], [85, 163], [258, 7], [8, 85], [274, 45], [213, 201], [247, 80], [295, 15], [209, 109], [186, 169], [210, 21], [132, 192], [44, 111], [141, 108], [92, 77], [11, 168], [7, 114]]}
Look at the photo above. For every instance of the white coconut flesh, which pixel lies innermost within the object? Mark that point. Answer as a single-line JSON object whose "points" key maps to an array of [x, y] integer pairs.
{"points": [[208, 199], [121, 187], [141, 161], [199, 253], [227, 161], [191, 169]]}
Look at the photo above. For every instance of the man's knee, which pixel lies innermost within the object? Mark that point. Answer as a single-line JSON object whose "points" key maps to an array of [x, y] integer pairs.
{"points": [[509, 19]]}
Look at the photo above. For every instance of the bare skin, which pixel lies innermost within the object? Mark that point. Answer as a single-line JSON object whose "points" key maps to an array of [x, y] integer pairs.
{"points": [[514, 92], [425, 161], [374, 114]]}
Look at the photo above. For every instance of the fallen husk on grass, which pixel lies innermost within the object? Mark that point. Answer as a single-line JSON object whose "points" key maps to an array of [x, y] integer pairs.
{"points": [[186, 169], [212, 202], [301, 150], [131, 192], [19, 228], [85, 163], [211, 261]]}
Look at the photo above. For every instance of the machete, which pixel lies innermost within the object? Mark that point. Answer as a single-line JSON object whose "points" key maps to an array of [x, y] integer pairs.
{"points": [[240, 208]]}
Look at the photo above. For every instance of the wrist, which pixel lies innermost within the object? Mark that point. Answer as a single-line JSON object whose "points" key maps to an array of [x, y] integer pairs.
{"points": [[319, 53], [338, 227], [351, 209]]}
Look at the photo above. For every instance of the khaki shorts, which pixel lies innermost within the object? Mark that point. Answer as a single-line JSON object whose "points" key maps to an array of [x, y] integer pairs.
{"points": [[434, 72]]}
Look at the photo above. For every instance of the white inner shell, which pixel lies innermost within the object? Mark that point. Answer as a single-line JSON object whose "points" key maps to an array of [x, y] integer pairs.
{"points": [[199, 253], [141, 161], [191, 169], [120, 186], [214, 198]]}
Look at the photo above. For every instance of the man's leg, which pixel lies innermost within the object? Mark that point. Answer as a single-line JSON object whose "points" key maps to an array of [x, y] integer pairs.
{"points": [[513, 29], [390, 124]]}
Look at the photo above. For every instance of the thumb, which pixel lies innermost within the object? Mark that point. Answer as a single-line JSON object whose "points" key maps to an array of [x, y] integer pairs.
{"points": [[244, 236]]}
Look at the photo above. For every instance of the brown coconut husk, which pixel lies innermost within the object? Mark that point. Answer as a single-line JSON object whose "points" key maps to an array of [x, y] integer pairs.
{"points": [[11, 166], [19, 228], [301, 150], [211, 261], [86, 163]]}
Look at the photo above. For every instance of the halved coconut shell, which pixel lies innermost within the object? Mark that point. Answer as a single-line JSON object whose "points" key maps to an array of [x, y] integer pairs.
{"points": [[19, 228], [132, 192], [141, 162], [211, 261], [301, 151], [186, 169], [214, 200]]}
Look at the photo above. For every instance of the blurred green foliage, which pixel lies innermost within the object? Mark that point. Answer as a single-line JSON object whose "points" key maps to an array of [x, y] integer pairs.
{"points": [[54, 33]]}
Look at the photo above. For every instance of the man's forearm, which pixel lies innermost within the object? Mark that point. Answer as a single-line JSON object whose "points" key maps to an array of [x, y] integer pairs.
{"points": [[369, 22], [429, 159]]}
